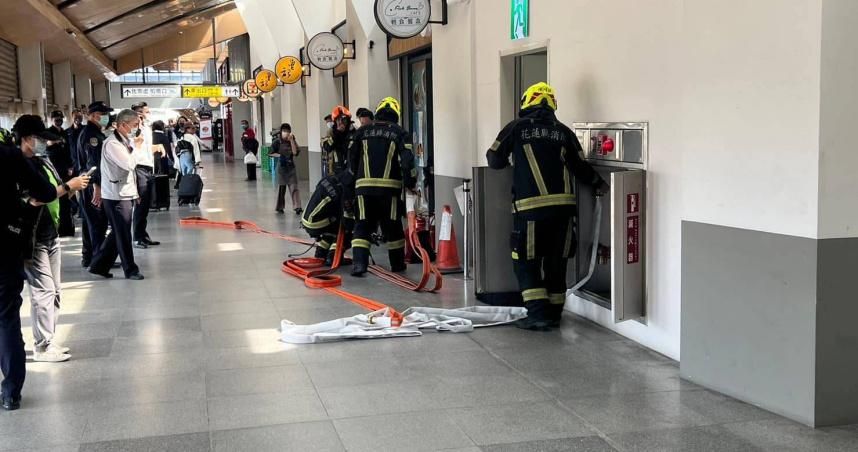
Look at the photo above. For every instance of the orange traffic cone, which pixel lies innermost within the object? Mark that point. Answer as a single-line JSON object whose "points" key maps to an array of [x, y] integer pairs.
{"points": [[448, 255]]}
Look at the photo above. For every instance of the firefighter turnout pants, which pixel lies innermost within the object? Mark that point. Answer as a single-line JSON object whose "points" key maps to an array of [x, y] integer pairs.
{"points": [[327, 237], [374, 211], [540, 253]]}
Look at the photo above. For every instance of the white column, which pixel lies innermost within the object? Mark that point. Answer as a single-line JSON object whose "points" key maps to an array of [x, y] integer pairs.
{"points": [[82, 89], [100, 91], [31, 76], [63, 89]]}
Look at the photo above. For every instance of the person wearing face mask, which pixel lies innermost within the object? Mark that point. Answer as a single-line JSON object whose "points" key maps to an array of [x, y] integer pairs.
{"points": [[365, 117], [88, 156], [42, 253], [144, 157], [285, 147], [248, 135], [119, 193], [60, 156], [336, 145]]}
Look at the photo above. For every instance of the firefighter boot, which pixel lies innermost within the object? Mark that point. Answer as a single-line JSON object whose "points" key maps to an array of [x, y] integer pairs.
{"points": [[360, 256], [397, 260], [321, 253], [555, 313], [329, 259], [536, 320]]}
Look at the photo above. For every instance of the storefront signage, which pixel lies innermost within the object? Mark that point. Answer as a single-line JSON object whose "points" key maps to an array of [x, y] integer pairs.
{"points": [[403, 18], [266, 80], [151, 91], [249, 89], [325, 51], [198, 92], [206, 128], [519, 16], [214, 103], [289, 70]]}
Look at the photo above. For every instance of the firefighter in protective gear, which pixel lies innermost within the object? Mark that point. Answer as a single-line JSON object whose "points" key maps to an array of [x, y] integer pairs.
{"points": [[380, 158], [332, 202], [336, 144], [545, 155]]}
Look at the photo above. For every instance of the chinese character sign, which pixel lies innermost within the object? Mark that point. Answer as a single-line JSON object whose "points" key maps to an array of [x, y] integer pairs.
{"points": [[325, 51], [403, 18]]}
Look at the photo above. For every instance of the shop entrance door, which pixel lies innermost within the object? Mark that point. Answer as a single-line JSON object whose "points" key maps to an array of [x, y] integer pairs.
{"points": [[417, 118]]}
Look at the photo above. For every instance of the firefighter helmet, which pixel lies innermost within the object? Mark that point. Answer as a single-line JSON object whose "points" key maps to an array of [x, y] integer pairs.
{"points": [[540, 93], [339, 111], [391, 103]]}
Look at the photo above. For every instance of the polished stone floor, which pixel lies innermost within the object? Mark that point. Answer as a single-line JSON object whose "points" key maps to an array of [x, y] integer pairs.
{"points": [[188, 360]]}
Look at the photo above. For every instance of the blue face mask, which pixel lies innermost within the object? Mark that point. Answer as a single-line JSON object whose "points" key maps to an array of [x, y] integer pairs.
{"points": [[40, 147], [104, 121]]}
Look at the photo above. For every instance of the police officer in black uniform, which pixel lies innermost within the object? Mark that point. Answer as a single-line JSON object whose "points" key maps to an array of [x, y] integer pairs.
{"points": [[380, 158], [336, 144], [89, 156], [546, 155]]}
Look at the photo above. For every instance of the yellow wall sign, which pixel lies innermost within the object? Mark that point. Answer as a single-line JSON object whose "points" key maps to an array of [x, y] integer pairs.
{"points": [[289, 70], [197, 91], [266, 80]]}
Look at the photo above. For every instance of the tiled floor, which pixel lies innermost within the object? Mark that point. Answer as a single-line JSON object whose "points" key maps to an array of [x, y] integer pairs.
{"points": [[188, 360]]}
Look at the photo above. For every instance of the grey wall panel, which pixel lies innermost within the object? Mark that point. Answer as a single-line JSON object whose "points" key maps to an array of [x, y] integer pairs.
{"points": [[836, 333], [748, 316]]}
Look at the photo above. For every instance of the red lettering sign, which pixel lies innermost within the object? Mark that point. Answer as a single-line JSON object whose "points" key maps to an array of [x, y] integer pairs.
{"points": [[633, 204], [633, 239]]}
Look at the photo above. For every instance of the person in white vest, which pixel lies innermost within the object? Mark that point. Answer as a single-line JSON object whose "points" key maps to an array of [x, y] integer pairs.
{"points": [[119, 194], [144, 157]]}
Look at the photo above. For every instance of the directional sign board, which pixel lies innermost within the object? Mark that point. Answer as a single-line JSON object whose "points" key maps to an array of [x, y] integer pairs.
{"points": [[151, 91], [198, 92]]}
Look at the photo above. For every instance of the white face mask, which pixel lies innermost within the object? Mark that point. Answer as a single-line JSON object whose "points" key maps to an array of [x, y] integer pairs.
{"points": [[330, 125], [40, 147]]}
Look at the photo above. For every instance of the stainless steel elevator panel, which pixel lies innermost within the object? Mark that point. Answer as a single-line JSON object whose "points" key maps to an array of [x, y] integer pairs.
{"points": [[493, 272]]}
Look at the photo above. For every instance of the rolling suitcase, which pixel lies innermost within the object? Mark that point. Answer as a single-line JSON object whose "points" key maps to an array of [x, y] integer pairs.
{"points": [[161, 195], [190, 189]]}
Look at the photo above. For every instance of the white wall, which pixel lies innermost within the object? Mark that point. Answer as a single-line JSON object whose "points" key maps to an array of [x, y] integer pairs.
{"points": [[32, 88], [82, 89], [371, 76], [719, 83], [63, 89]]}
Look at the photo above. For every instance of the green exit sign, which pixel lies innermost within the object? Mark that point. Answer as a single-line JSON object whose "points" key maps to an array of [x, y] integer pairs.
{"points": [[519, 16]]}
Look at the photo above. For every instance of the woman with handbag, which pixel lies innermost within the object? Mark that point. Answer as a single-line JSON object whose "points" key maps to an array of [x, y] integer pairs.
{"points": [[286, 148]]}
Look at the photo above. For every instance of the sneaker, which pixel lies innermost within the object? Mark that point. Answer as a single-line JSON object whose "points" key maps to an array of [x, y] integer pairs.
{"points": [[59, 349], [50, 356], [10, 404], [107, 275]]}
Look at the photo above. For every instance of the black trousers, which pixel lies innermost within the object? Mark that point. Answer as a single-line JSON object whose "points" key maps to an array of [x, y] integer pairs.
{"points": [[13, 358], [96, 222], [119, 240], [145, 189], [540, 252], [66, 226], [372, 212]]}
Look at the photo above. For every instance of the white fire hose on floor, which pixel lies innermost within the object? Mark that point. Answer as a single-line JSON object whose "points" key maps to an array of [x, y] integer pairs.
{"points": [[594, 252]]}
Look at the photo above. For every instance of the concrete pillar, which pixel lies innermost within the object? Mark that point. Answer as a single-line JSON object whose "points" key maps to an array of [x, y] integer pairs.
{"points": [[31, 76], [63, 87], [82, 89], [371, 76]]}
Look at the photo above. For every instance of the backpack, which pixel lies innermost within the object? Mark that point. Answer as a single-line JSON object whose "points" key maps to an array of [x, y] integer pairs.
{"points": [[183, 146]]}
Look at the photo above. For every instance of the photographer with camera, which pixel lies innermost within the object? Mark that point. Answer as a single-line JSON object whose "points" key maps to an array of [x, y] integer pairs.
{"points": [[15, 175]]}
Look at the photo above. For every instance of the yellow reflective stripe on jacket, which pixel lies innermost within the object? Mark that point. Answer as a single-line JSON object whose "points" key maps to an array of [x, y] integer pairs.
{"points": [[396, 245], [557, 298], [495, 146], [393, 203], [567, 183], [319, 207], [316, 224], [375, 182], [390, 152], [531, 240], [563, 199], [409, 146], [534, 294], [366, 168], [324, 245], [361, 208], [534, 169], [360, 243]]}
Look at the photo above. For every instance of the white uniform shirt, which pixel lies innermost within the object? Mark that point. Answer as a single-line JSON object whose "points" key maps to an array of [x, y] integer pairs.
{"points": [[118, 179], [143, 156]]}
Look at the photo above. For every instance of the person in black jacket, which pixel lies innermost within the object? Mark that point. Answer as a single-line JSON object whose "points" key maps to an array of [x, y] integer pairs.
{"points": [[59, 153], [285, 146], [381, 160], [15, 174], [336, 144], [546, 154], [163, 162], [331, 205], [89, 156]]}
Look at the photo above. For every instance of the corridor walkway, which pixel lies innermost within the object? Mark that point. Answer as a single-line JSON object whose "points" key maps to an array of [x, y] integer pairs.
{"points": [[188, 360]]}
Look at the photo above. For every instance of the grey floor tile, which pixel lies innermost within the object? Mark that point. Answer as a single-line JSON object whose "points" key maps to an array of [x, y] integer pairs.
{"points": [[519, 423], [40, 429], [261, 307], [587, 444], [475, 391], [662, 410], [225, 383], [191, 442], [416, 431], [250, 321], [260, 340], [243, 358], [160, 327], [153, 364], [151, 389], [90, 348], [139, 421], [315, 436], [379, 398], [785, 435], [228, 413], [156, 344]]}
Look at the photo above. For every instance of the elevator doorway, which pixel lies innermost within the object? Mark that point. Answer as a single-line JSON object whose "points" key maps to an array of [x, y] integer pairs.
{"points": [[520, 71]]}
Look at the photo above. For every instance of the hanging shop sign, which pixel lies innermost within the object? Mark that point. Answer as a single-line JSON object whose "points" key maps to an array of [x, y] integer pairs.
{"points": [[266, 80], [325, 51], [403, 18], [151, 91], [243, 98], [519, 18], [213, 102], [289, 70], [199, 92], [249, 88]]}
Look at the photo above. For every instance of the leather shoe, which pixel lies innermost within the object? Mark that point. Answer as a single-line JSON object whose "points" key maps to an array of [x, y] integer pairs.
{"points": [[141, 245], [85, 263], [11, 404], [151, 242], [135, 277], [107, 275]]}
